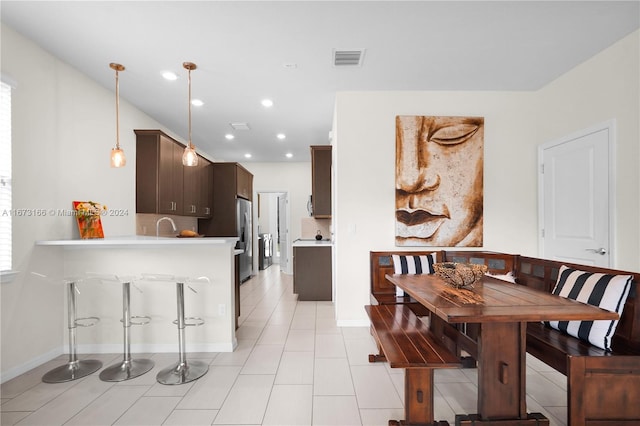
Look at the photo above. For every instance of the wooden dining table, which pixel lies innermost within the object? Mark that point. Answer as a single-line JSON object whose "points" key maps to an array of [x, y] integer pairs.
{"points": [[502, 310]]}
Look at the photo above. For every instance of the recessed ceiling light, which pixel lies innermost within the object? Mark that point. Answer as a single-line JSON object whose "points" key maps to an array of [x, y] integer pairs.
{"points": [[281, 136], [290, 65], [197, 102], [229, 136], [170, 75], [267, 103], [289, 155], [247, 155]]}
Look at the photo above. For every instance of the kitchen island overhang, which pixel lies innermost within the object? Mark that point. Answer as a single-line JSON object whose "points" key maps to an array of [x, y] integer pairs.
{"points": [[137, 256]]}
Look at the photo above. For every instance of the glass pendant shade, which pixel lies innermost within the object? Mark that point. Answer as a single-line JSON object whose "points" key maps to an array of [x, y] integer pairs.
{"points": [[118, 158], [189, 157]]}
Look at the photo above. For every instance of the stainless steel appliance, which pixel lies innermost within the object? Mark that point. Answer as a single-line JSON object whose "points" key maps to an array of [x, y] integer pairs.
{"points": [[265, 250], [310, 205], [245, 234]]}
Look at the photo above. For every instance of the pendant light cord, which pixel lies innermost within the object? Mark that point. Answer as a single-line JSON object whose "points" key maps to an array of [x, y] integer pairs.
{"points": [[117, 110], [189, 66], [117, 68], [190, 144]]}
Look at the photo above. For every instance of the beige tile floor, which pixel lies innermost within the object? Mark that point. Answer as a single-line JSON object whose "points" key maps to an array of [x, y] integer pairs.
{"points": [[293, 366]]}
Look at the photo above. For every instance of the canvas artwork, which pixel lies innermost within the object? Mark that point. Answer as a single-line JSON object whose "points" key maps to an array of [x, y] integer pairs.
{"points": [[439, 181], [88, 218]]}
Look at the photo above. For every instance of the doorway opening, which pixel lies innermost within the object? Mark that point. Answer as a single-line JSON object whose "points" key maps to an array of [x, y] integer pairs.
{"points": [[273, 229]]}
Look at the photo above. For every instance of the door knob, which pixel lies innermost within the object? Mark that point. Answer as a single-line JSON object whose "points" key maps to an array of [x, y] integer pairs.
{"points": [[602, 251]]}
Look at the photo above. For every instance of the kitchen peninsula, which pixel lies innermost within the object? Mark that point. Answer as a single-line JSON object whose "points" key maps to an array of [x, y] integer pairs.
{"points": [[136, 256]]}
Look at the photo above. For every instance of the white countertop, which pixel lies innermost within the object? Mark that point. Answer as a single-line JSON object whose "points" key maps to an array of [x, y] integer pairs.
{"points": [[139, 240], [312, 243]]}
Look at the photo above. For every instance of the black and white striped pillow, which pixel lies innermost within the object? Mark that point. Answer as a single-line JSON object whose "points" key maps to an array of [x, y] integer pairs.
{"points": [[413, 265], [606, 291]]}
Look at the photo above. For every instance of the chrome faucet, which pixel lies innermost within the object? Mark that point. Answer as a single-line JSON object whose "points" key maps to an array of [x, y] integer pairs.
{"points": [[173, 225]]}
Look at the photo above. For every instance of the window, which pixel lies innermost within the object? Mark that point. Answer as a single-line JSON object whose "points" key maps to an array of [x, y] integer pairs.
{"points": [[5, 177]]}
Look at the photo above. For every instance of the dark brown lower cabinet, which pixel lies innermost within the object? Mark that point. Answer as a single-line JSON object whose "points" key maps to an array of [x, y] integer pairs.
{"points": [[312, 273]]}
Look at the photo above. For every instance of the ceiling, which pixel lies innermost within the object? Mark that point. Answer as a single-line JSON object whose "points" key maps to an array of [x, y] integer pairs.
{"points": [[283, 50]]}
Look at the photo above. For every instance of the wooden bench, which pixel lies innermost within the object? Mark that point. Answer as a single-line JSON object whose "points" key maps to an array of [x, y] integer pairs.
{"points": [[603, 388], [406, 342]]}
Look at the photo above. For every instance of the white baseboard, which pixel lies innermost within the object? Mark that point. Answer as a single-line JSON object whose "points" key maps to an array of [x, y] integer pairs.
{"points": [[30, 364]]}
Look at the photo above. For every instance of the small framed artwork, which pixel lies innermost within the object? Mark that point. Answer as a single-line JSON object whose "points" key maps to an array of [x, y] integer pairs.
{"points": [[88, 218]]}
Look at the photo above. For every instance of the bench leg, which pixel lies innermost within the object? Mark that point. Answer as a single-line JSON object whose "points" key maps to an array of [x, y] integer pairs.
{"points": [[418, 395], [418, 399], [379, 357]]}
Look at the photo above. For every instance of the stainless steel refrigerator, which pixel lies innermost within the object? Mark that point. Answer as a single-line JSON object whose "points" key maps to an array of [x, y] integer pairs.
{"points": [[245, 234]]}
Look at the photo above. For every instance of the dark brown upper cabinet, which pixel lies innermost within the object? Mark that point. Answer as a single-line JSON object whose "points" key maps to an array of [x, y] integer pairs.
{"points": [[163, 184], [321, 181], [198, 189]]}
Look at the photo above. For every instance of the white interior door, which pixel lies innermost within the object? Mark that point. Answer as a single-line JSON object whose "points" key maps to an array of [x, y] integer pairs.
{"points": [[283, 231], [576, 197]]}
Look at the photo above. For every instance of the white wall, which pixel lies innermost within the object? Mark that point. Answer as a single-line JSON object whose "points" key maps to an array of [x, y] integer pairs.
{"points": [[603, 88]]}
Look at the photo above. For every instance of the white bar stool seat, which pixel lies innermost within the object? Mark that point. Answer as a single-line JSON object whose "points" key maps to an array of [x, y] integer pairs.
{"points": [[182, 371], [74, 369], [129, 368]]}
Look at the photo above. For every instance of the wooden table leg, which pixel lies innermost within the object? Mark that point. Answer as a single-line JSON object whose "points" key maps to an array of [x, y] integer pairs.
{"points": [[501, 371], [502, 378]]}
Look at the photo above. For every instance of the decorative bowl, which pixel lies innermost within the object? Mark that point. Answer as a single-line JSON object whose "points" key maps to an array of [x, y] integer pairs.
{"points": [[460, 274]]}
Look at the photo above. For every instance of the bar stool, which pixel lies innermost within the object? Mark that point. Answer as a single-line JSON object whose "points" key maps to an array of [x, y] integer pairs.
{"points": [[129, 368], [75, 368], [182, 371]]}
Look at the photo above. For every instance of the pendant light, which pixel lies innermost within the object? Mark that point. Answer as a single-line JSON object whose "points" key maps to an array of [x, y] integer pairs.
{"points": [[189, 157], [117, 154]]}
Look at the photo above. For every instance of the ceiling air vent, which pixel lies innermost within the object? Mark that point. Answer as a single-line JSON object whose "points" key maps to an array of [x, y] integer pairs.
{"points": [[347, 57]]}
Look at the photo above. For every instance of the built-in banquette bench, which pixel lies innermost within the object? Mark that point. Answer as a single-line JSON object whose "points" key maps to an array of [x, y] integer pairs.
{"points": [[603, 386]]}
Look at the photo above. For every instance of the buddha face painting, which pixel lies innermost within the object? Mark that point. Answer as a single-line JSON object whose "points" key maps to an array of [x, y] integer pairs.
{"points": [[439, 181]]}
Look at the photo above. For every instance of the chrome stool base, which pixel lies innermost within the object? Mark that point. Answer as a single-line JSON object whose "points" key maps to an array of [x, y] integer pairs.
{"points": [[75, 368], [72, 370], [182, 372], [126, 370]]}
